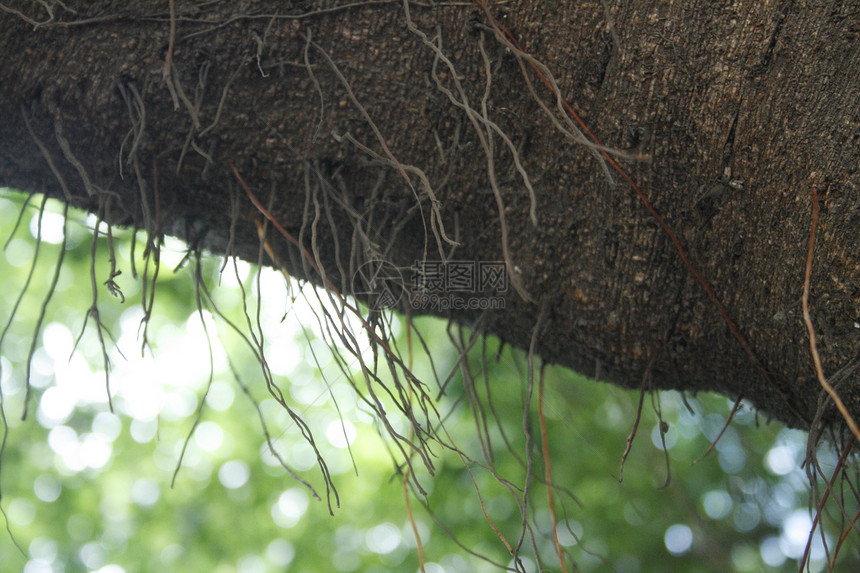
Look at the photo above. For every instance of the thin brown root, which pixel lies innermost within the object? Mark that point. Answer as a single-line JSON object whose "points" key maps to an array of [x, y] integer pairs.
{"points": [[821, 502], [18, 301], [167, 74], [436, 222], [807, 318], [52, 287], [484, 129], [664, 427], [548, 465], [91, 190], [48, 158], [713, 445], [418, 545], [198, 415], [646, 384]]}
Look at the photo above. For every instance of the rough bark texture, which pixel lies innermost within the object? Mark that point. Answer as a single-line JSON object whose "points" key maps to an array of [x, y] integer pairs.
{"points": [[743, 108]]}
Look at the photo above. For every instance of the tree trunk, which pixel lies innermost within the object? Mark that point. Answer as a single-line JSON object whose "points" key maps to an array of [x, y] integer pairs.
{"points": [[391, 132]]}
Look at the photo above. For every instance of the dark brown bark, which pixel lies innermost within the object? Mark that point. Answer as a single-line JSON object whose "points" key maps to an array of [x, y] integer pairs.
{"points": [[743, 109]]}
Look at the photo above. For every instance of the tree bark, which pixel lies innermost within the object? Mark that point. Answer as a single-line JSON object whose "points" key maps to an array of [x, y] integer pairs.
{"points": [[372, 133]]}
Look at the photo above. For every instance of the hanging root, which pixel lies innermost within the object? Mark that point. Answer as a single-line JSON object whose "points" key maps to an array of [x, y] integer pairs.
{"points": [[436, 223]]}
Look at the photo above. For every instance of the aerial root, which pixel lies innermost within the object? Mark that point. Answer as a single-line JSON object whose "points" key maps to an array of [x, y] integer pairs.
{"points": [[436, 221], [91, 190], [485, 130], [817, 427], [137, 114], [336, 325], [49, 8], [48, 157], [807, 319]]}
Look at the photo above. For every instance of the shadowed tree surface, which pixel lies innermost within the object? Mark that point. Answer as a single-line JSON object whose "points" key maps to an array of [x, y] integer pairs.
{"points": [[662, 246]]}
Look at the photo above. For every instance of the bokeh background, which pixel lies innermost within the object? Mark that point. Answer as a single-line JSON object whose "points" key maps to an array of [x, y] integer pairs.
{"points": [[84, 488]]}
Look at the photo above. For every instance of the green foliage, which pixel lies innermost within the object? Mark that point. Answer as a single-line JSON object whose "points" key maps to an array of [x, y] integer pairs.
{"points": [[87, 489]]}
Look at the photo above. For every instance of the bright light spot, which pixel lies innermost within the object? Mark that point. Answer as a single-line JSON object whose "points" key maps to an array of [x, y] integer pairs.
{"points": [[771, 553], [783, 500], [38, 566], [220, 396], [717, 504], [44, 366], [58, 341], [47, 488], [383, 538], [62, 440], [167, 386], [318, 354], [780, 460], [56, 406], [282, 356], [305, 387], [236, 273], [92, 555], [234, 474], [73, 375], [21, 512], [269, 458], [143, 430], [178, 405], [52, 227], [107, 426], [565, 537], [795, 533], [301, 456], [209, 436], [90, 451], [251, 564], [344, 396], [291, 506], [140, 391], [95, 452], [19, 252], [280, 553], [307, 315], [145, 492], [732, 459], [670, 437], [432, 568], [340, 434], [678, 539], [747, 516], [43, 548], [6, 375], [172, 252]]}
